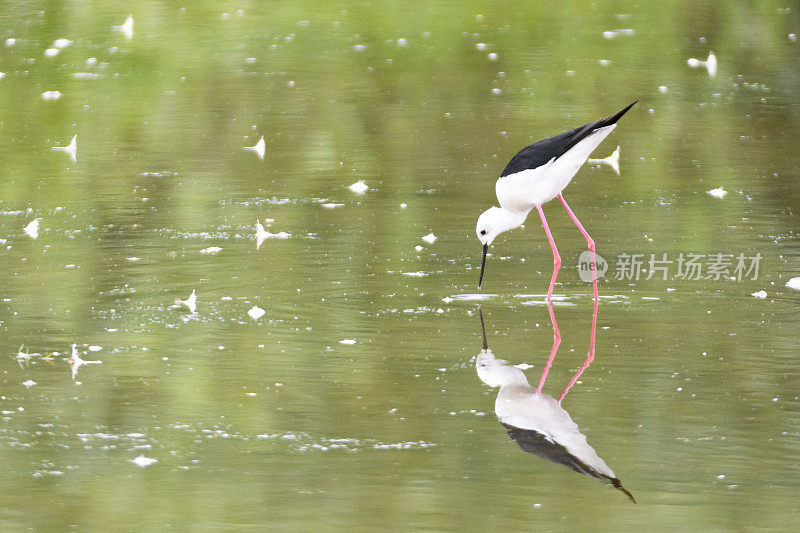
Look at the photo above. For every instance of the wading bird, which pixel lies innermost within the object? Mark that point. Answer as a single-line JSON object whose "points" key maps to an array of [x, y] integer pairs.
{"points": [[537, 174]]}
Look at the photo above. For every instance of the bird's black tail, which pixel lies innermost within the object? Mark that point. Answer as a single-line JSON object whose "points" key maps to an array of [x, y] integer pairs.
{"points": [[615, 117]]}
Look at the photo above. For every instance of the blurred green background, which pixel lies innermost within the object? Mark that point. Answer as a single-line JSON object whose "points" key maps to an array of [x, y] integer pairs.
{"points": [[274, 423]]}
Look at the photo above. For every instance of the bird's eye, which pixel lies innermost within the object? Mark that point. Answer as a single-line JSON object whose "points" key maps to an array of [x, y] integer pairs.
{"points": [[483, 232]]}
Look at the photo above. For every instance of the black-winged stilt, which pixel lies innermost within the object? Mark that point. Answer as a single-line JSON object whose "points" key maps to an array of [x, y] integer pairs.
{"points": [[537, 174]]}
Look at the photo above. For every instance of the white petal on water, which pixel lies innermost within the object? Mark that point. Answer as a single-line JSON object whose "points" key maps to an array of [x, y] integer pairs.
{"points": [[759, 294], [710, 64], [143, 461], [95, 348], [794, 283], [447, 299], [663, 89], [32, 229], [259, 148], [719, 192], [211, 250], [612, 161], [256, 312], [71, 149], [418, 248], [261, 234], [29, 383], [75, 361], [51, 95], [359, 187], [190, 302], [347, 341], [430, 238], [126, 29], [62, 43], [51, 52]]}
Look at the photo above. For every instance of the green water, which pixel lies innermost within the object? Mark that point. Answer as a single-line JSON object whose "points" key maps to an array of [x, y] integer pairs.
{"points": [[274, 423]]}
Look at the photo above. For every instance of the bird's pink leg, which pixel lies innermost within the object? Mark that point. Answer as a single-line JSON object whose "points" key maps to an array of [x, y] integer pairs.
{"points": [[593, 333], [556, 257], [589, 242], [553, 350]]}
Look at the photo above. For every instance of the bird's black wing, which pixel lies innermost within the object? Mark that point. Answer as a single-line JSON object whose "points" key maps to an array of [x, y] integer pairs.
{"points": [[537, 444], [541, 152]]}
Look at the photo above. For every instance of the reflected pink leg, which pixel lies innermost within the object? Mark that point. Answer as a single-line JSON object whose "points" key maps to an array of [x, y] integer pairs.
{"points": [[593, 333], [553, 350], [589, 356], [556, 256]]}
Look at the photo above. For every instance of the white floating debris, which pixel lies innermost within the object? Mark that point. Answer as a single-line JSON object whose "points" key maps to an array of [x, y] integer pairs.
{"points": [[259, 148], [347, 341], [492, 56], [75, 361], [497, 92], [609, 34], [447, 299], [143, 461], [663, 89], [71, 149], [51, 52], [418, 248], [759, 294], [62, 43], [29, 383], [261, 234], [126, 29], [256, 312], [419, 274], [604, 62], [612, 161], [51, 95], [190, 302], [2, 75], [794, 283], [480, 46], [11, 42], [32, 229], [331, 205], [430, 238], [211, 250], [85, 75], [95, 348], [710, 64], [719, 192], [792, 37], [359, 187], [403, 205]]}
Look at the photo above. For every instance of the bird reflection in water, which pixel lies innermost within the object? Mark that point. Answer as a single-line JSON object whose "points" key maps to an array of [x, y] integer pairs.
{"points": [[535, 420]]}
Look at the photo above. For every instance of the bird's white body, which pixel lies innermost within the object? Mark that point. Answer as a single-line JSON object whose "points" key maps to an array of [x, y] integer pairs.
{"points": [[522, 191]]}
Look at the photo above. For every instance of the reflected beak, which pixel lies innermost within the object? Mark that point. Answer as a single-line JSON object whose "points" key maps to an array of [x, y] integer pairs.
{"points": [[483, 264]]}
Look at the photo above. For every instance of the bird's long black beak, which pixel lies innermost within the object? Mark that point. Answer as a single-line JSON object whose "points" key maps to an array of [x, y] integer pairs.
{"points": [[483, 264]]}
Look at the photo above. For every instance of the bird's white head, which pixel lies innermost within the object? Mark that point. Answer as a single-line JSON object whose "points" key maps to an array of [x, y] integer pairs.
{"points": [[492, 223]]}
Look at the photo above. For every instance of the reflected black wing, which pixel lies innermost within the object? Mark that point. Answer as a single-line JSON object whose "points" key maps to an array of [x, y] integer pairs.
{"points": [[540, 152], [537, 444]]}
